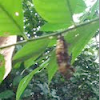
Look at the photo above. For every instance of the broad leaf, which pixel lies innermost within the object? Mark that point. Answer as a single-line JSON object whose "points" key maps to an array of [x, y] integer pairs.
{"points": [[24, 82], [31, 49], [52, 42], [79, 37], [29, 62], [11, 17], [53, 11], [80, 6], [92, 13], [59, 11], [95, 10], [2, 67], [17, 65], [52, 67], [54, 27]]}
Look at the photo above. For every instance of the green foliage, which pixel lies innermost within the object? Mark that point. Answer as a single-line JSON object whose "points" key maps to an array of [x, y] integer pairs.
{"points": [[84, 82], [24, 82], [6, 94], [2, 67], [57, 11], [52, 67], [11, 16], [79, 7], [57, 15], [54, 27], [31, 49], [79, 37], [54, 11], [16, 80]]}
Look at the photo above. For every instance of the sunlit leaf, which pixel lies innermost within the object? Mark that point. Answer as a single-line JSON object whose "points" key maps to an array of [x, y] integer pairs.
{"points": [[11, 17], [59, 11], [94, 10], [54, 27], [24, 82], [31, 49], [79, 37], [53, 11], [80, 6], [29, 62]]}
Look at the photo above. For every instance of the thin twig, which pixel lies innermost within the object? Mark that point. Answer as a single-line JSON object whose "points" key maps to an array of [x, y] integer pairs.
{"points": [[52, 34]]}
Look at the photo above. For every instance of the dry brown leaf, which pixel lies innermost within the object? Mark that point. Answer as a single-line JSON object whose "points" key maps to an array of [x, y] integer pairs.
{"points": [[7, 52]]}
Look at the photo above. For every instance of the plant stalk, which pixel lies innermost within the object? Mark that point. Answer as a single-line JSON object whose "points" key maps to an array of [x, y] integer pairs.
{"points": [[52, 34]]}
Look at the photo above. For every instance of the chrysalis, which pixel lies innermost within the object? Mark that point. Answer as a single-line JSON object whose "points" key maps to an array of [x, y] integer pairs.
{"points": [[63, 59]]}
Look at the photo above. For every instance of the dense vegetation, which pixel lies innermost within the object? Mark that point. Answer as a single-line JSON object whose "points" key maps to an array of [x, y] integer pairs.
{"points": [[47, 83]]}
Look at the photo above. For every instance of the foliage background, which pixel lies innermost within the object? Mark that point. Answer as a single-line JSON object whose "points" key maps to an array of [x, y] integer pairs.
{"points": [[82, 86]]}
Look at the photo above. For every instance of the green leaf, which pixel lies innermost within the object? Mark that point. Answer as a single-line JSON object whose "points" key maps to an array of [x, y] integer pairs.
{"points": [[95, 6], [2, 67], [93, 10], [52, 67], [25, 81], [53, 11], [29, 62], [17, 65], [31, 49], [80, 6], [6, 94], [54, 27], [52, 42], [59, 11], [79, 37], [11, 17]]}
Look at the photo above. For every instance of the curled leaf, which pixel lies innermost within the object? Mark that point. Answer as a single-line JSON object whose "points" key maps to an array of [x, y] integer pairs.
{"points": [[7, 52]]}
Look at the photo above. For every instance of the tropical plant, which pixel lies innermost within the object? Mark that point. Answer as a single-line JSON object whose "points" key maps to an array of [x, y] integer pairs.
{"points": [[43, 22]]}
